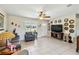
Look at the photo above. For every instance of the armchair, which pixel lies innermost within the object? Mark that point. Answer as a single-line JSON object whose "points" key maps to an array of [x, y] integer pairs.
{"points": [[29, 36]]}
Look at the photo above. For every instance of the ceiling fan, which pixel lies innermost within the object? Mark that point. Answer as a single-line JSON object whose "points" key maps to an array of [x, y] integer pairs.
{"points": [[43, 15]]}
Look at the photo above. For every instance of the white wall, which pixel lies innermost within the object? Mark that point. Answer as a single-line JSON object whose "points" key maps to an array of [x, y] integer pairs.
{"points": [[42, 30], [5, 19]]}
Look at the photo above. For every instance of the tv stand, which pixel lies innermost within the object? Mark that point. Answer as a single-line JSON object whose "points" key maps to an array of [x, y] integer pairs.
{"points": [[57, 35]]}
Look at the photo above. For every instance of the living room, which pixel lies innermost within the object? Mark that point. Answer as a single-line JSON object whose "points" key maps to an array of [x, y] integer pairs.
{"points": [[50, 26]]}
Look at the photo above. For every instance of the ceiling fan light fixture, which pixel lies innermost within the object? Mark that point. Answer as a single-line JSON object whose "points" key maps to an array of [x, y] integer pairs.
{"points": [[41, 18], [43, 15]]}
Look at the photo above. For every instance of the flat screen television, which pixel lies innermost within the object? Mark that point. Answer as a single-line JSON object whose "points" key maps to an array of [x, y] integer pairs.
{"points": [[56, 28]]}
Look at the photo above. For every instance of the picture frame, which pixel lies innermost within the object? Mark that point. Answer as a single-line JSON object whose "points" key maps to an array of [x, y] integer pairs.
{"points": [[12, 23], [55, 21], [51, 22], [59, 21], [15, 24], [1, 22]]}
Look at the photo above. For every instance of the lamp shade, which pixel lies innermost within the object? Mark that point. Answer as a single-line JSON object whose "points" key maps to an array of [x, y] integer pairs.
{"points": [[6, 35]]}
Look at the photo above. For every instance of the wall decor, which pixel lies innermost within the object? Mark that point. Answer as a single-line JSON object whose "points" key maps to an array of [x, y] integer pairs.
{"points": [[1, 21], [15, 24], [33, 26], [71, 30], [71, 21], [71, 26], [55, 21], [66, 20], [66, 28], [12, 23], [59, 21], [51, 22], [65, 24]]}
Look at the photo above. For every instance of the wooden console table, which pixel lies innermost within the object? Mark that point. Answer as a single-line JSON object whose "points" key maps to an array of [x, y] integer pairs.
{"points": [[7, 51], [57, 35]]}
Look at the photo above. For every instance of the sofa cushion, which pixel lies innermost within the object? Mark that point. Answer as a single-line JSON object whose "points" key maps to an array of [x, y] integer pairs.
{"points": [[1, 48], [2, 43]]}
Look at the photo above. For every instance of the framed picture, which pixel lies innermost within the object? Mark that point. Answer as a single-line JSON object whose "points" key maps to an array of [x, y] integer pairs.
{"points": [[48, 26], [55, 21], [12, 23], [15, 24], [1, 21], [59, 21], [51, 22]]}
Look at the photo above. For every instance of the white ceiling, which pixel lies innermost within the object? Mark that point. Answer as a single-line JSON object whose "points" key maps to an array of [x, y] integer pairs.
{"points": [[32, 10]]}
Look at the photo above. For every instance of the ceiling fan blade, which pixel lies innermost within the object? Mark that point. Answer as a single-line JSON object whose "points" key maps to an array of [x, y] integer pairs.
{"points": [[41, 13], [46, 16]]}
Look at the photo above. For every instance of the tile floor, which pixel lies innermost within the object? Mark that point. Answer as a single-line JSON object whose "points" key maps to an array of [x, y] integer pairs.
{"points": [[49, 46]]}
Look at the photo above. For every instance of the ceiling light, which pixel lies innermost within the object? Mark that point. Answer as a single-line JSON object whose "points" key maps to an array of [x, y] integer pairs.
{"points": [[41, 18], [43, 15]]}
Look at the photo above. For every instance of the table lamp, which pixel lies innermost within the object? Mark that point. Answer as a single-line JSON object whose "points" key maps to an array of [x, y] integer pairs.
{"points": [[6, 36]]}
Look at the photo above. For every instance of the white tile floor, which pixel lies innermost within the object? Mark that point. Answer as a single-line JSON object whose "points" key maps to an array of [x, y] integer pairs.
{"points": [[49, 46]]}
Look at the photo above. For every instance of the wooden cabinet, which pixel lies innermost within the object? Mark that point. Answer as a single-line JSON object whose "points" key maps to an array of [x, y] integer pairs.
{"points": [[57, 35], [77, 48]]}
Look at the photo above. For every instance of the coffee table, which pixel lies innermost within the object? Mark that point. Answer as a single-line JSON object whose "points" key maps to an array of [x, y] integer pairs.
{"points": [[21, 52], [6, 51]]}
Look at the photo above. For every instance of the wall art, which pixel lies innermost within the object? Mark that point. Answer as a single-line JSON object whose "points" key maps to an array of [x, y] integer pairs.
{"points": [[66, 20]]}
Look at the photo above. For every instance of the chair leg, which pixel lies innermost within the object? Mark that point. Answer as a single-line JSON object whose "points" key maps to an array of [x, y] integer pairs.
{"points": [[76, 50]]}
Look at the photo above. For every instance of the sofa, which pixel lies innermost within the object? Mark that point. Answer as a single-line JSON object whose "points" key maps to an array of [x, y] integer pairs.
{"points": [[15, 39], [2, 44], [29, 36]]}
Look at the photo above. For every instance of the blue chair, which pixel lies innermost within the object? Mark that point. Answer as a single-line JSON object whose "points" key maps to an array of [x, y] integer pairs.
{"points": [[29, 36]]}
